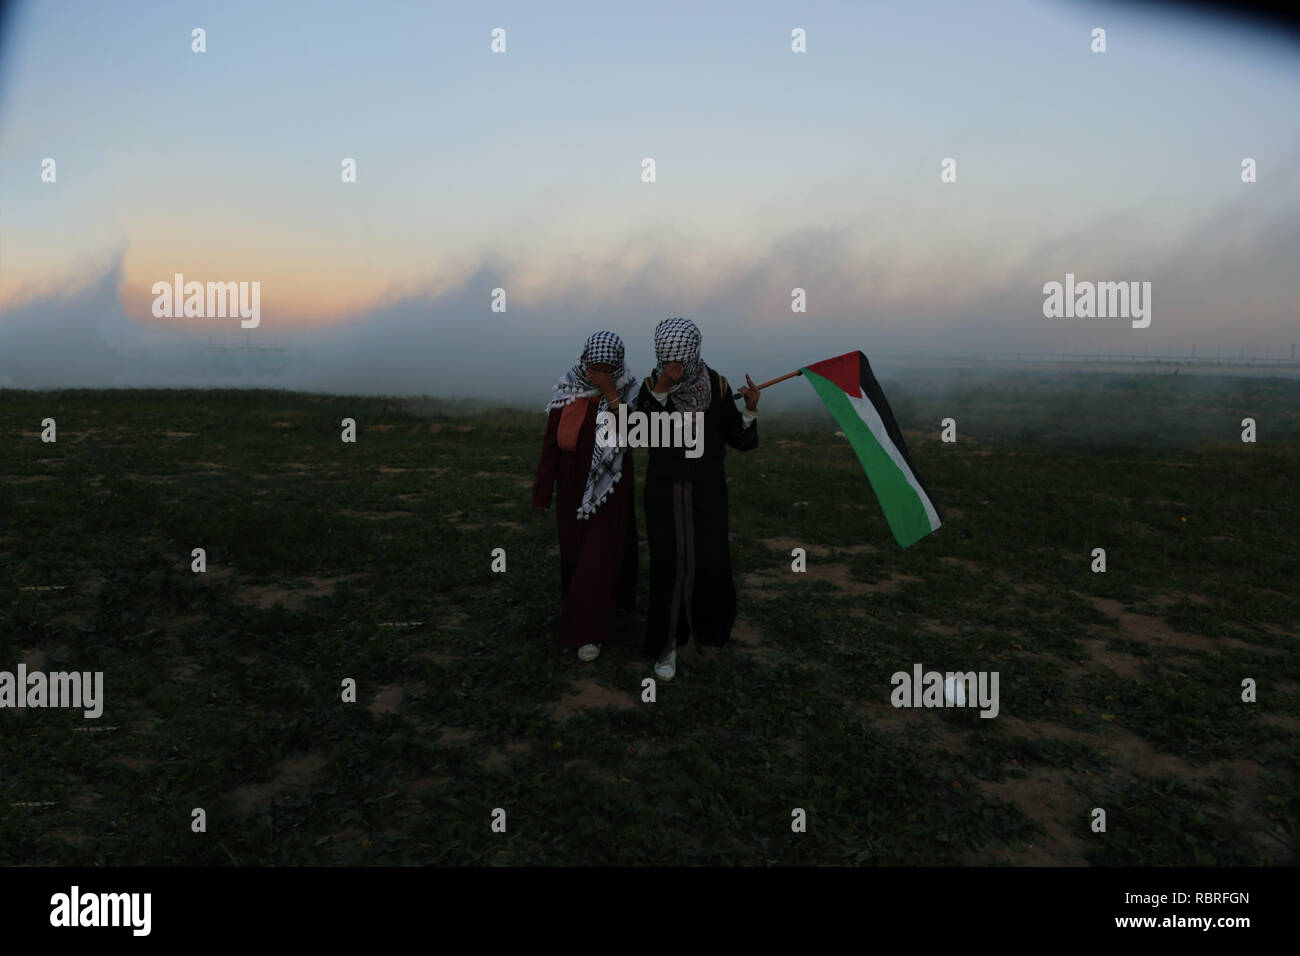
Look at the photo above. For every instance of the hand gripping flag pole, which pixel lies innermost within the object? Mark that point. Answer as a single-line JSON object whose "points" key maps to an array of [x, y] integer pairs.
{"points": [[780, 378]]}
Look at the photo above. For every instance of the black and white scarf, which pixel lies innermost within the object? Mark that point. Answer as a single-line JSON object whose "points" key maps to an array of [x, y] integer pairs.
{"points": [[678, 340], [606, 462]]}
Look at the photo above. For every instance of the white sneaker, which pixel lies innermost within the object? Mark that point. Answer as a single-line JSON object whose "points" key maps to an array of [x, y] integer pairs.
{"points": [[588, 652], [666, 669]]}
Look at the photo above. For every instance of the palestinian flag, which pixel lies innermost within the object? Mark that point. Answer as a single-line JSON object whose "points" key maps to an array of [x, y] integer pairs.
{"points": [[853, 395]]}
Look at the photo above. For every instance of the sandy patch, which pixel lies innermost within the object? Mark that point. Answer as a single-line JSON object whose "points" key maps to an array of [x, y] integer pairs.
{"points": [[1102, 660], [839, 576], [1130, 753], [291, 774], [587, 694], [786, 545], [498, 758], [1132, 756], [1154, 631], [748, 641], [216, 575], [1047, 796], [269, 595], [387, 701], [907, 722]]}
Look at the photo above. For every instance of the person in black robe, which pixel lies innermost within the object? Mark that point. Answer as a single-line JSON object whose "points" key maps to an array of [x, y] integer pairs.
{"points": [[692, 591], [594, 490]]}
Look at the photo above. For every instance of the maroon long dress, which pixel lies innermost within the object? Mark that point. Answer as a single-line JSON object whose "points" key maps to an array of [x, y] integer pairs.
{"points": [[598, 555]]}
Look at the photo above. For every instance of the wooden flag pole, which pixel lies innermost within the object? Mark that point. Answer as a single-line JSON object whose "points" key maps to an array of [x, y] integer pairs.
{"points": [[781, 378]]}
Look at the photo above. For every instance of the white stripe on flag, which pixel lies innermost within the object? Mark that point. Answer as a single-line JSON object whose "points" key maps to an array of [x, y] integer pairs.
{"points": [[867, 412]]}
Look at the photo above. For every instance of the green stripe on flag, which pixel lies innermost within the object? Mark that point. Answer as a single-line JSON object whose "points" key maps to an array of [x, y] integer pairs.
{"points": [[902, 503]]}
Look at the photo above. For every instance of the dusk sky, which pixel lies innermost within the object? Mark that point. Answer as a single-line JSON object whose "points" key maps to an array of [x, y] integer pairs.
{"points": [[522, 170]]}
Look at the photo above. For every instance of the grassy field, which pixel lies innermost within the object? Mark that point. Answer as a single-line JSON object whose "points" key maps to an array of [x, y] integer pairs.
{"points": [[1119, 690]]}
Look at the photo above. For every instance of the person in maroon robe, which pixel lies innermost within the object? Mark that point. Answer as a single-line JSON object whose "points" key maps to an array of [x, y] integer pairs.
{"points": [[593, 484]]}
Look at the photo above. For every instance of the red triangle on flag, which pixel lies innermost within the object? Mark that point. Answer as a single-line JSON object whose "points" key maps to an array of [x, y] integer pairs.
{"points": [[844, 370]]}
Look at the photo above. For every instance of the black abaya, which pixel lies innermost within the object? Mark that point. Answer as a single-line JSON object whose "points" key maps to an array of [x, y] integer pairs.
{"points": [[692, 591]]}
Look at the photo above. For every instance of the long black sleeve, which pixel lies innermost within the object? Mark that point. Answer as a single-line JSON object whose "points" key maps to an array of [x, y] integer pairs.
{"points": [[645, 402], [737, 435]]}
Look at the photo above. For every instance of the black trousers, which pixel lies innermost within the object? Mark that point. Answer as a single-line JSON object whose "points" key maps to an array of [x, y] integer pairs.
{"points": [[692, 593]]}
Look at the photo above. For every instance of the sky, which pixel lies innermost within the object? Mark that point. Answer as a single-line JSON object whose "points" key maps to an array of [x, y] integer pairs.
{"points": [[522, 170]]}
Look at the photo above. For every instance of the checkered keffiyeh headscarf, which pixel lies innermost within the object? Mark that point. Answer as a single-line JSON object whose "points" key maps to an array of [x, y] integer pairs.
{"points": [[678, 340], [606, 463]]}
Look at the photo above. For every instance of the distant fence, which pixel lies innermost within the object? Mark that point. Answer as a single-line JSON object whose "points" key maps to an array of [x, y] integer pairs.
{"points": [[1103, 357]]}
